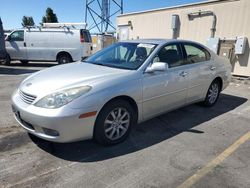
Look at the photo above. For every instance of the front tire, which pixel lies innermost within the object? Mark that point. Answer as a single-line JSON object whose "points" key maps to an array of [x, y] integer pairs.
{"points": [[7, 60], [114, 122], [212, 94]]}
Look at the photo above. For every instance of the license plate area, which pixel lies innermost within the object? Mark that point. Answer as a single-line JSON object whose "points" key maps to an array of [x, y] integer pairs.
{"points": [[18, 116]]}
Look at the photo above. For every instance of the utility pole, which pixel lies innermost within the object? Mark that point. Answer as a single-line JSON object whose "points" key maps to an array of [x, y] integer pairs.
{"points": [[99, 14]]}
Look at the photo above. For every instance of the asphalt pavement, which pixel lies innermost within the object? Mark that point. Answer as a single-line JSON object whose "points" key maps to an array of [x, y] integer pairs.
{"points": [[190, 147]]}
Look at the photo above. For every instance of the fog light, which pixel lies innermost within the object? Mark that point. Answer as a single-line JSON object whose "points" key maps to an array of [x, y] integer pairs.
{"points": [[50, 132]]}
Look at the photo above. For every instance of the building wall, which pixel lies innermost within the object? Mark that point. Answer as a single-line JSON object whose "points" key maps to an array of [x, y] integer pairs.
{"points": [[233, 19]]}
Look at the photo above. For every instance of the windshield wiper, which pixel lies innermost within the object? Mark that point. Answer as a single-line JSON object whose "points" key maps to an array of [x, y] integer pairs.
{"points": [[85, 61], [99, 64], [109, 65], [92, 62]]}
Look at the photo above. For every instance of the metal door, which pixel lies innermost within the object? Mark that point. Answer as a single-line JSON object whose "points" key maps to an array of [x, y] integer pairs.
{"points": [[16, 45], [123, 33], [163, 91], [200, 70]]}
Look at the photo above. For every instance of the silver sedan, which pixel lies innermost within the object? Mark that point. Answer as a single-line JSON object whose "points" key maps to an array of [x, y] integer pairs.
{"points": [[113, 90]]}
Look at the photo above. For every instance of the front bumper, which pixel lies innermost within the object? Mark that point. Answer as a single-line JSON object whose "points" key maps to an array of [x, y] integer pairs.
{"points": [[57, 125]]}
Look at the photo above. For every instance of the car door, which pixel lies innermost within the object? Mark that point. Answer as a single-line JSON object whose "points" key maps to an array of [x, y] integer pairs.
{"points": [[163, 91], [201, 70], [16, 46]]}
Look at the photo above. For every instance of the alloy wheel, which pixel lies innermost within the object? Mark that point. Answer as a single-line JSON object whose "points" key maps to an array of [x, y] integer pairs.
{"points": [[213, 93], [116, 123]]}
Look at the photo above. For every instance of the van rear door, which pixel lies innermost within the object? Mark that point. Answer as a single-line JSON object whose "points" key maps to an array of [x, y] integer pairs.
{"points": [[86, 42]]}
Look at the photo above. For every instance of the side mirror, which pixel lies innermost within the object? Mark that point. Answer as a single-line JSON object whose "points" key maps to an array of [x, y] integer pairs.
{"points": [[157, 66], [7, 38]]}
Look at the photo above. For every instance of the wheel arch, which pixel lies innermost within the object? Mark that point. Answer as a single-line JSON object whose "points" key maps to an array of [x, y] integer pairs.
{"points": [[219, 79], [62, 53], [126, 98]]}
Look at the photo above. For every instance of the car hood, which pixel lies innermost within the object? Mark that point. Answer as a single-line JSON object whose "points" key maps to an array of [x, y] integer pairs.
{"points": [[69, 75]]}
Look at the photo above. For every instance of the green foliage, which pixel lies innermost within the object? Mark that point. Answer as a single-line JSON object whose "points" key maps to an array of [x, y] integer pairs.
{"points": [[50, 16], [27, 21]]}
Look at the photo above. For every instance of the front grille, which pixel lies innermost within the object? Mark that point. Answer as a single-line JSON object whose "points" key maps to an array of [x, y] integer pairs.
{"points": [[27, 98]]}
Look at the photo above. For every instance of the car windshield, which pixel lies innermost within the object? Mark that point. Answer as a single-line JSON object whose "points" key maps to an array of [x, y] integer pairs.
{"points": [[123, 55]]}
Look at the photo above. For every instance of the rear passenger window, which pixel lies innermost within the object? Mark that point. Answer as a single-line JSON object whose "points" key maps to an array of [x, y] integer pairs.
{"points": [[171, 55], [196, 54]]}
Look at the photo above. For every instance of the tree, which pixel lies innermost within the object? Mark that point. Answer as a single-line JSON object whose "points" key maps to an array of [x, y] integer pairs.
{"points": [[50, 16], [27, 21]]}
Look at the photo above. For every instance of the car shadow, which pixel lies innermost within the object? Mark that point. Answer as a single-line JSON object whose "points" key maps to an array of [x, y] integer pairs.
{"points": [[34, 64], [145, 134], [16, 71], [18, 68]]}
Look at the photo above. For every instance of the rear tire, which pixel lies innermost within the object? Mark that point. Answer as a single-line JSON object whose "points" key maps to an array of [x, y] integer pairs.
{"points": [[114, 122], [7, 60], [64, 58], [24, 62], [212, 94]]}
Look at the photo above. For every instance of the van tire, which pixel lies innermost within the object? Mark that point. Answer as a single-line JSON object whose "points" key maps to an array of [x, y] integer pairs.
{"points": [[7, 60], [64, 58], [24, 62]]}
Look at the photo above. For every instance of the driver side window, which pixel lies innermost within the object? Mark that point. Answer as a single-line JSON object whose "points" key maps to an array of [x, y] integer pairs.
{"points": [[170, 54], [17, 36]]}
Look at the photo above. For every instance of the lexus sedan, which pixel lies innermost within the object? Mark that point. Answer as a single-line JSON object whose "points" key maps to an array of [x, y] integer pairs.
{"points": [[107, 94]]}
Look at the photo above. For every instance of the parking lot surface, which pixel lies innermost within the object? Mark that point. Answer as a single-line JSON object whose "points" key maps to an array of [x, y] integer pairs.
{"points": [[193, 146]]}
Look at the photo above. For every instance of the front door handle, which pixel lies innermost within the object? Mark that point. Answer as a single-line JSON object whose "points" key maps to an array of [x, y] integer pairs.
{"points": [[183, 74], [212, 68], [24, 44]]}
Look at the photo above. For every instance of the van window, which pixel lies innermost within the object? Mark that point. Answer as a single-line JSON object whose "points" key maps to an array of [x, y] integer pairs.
{"points": [[86, 35], [17, 36]]}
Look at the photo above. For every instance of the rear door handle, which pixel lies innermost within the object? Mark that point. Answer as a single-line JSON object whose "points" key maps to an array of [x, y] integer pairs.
{"points": [[212, 68], [183, 74]]}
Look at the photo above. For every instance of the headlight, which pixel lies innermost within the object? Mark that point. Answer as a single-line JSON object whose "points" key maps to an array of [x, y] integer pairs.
{"points": [[58, 99]]}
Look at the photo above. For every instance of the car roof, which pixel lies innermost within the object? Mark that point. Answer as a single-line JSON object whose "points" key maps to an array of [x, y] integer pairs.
{"points": [[165, 41], [152, 41], [159, 41]]}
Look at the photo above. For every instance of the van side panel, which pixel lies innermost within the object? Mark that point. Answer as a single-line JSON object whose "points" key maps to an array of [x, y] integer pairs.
{"points": [[45, 44], [39, 45], [69, 42]]}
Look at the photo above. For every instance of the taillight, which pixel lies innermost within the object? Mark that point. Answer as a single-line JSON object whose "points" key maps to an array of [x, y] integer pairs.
{"points": [[82, 39]]}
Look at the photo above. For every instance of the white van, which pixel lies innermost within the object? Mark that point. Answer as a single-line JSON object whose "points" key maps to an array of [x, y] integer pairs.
{"points": [[53, 42]]}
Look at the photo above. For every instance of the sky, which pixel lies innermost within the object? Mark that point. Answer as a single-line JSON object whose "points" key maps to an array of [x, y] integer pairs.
{"points": [[12, 11]]}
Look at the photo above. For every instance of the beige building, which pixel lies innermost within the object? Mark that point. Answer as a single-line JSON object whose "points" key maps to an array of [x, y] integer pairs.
{"points": [[227, 22]]}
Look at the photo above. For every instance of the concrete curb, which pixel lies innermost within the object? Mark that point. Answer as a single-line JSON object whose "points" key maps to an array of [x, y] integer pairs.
{"points": [[240, 80]]}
